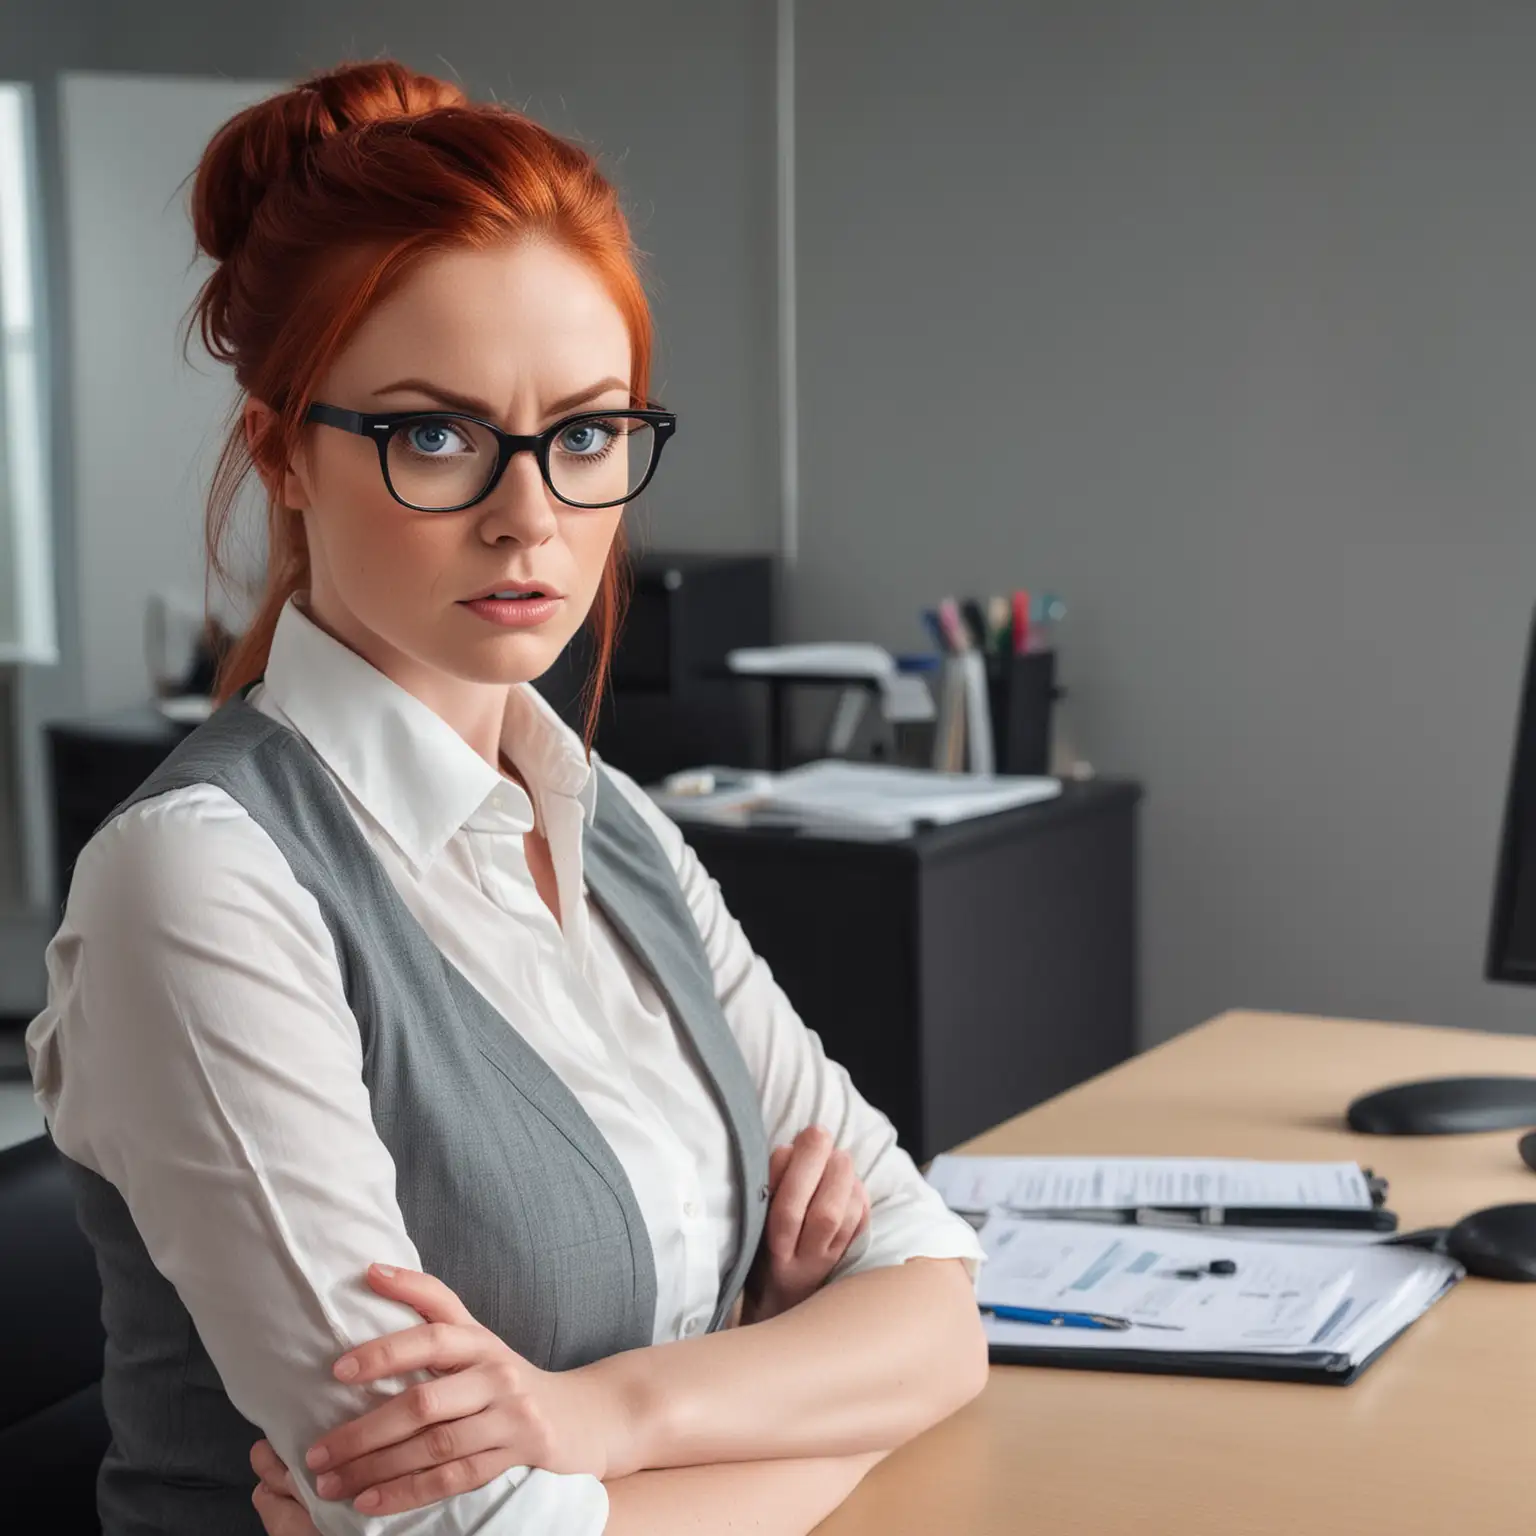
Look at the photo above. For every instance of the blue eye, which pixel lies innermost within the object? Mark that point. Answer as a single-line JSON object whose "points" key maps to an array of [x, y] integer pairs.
{"points": [[435, 439], [587, 438]]}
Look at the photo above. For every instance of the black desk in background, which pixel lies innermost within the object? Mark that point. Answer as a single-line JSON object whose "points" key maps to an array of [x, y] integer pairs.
{"points": [[961, 975]]}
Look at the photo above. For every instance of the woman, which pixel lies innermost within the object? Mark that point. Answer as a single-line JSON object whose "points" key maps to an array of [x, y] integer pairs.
{"points": [[417, 1088]]}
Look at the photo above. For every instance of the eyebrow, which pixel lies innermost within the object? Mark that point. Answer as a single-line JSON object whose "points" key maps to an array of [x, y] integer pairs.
{"points": [[475, 407]]}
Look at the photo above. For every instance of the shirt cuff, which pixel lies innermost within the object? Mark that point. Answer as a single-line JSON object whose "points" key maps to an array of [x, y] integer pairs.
{"points": [[923, 1234]]}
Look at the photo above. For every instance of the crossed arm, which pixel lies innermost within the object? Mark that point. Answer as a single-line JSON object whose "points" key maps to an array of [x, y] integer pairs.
{"points": [[826, 1389], [766, 1428]]}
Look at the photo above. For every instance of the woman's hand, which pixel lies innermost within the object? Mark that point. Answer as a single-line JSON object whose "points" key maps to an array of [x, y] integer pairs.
{"points": [[488, 1410], [276, 1499], [819, 1206]]}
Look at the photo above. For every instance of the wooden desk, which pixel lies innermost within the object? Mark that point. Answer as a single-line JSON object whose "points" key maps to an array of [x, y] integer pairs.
{"points": [[1438, 1438]]}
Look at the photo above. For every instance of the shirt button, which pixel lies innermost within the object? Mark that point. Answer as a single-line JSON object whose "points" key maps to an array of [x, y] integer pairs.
{"points": [[691, 1326], [690, 1209], [762, 1193]]}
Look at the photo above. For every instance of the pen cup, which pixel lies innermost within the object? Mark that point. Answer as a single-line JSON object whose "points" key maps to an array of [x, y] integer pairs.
{"points": [[1021, 690]]}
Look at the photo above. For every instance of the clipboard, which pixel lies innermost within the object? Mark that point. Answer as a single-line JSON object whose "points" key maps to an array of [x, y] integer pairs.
{"points": [[1377, 1219], [1031, 1188], [1324, 1368], [1331, 1363]]}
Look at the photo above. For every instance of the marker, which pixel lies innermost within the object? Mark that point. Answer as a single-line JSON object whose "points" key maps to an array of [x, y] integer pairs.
{"points": [[1020, 623]]}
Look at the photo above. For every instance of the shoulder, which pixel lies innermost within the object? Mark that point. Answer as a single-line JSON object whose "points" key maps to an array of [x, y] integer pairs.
{"points": [[186, 853]]}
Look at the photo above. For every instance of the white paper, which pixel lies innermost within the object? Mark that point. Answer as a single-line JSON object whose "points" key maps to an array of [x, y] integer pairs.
{"points": [[878, 793], [837, 659], [1127, 1183], [865, 800], [1294, 1297]]}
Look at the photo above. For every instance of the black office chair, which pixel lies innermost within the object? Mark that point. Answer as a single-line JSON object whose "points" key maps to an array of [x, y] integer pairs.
{"points": [[53, 1432]]}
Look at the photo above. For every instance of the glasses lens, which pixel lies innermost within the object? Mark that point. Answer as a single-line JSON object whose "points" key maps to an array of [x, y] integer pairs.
{"points": [[601, 459], [438, 462]]}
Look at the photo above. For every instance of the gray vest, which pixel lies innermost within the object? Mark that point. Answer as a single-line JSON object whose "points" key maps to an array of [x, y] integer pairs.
{"points": [[509, 1191]]}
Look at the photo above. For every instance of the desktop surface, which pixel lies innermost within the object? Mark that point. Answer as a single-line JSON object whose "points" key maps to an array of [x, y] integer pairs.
{"points": [[1434, 1439]]}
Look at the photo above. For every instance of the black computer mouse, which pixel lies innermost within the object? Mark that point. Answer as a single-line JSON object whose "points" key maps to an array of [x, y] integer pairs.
{"points": [[1497, 1244], [1446, 1106]]}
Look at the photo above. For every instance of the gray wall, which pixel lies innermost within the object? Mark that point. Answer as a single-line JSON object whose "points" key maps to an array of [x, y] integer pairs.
{"points": [[1223, 319], [1220, 313], [678, 103]]}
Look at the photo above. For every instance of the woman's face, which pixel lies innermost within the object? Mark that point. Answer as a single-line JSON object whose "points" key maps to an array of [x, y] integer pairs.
{"points": [[529, 335]]}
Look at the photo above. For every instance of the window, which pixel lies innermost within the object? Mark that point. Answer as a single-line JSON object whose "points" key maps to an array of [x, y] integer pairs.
{"points": [[27, 632]]}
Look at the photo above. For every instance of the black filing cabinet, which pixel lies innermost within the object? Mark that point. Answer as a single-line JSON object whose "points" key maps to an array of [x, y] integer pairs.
{"points": [[963, 974]]}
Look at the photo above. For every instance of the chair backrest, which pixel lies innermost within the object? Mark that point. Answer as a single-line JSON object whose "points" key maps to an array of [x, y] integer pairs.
{"points": [[52, 1429]]}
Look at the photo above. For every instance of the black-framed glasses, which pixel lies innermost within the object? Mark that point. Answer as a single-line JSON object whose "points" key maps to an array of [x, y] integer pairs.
{"points": [[445, 461]]}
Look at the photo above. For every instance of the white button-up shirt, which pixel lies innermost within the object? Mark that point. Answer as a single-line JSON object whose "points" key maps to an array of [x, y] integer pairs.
{"points": [[198, 1051]]}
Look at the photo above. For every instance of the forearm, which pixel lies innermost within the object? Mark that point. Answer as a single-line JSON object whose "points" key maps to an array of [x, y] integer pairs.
{"points": [[863, 1365], [755, 1498]]}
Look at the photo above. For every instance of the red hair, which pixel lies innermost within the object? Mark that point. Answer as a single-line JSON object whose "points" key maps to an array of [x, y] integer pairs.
{"points": [[315, 203]]}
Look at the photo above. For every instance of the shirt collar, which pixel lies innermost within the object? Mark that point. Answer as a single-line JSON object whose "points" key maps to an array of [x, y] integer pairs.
{"points": [[410, 770]]}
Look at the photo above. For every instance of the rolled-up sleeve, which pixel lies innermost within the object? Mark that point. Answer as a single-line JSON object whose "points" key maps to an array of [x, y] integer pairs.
{"points": [[197, 1050], [800, 1085]]}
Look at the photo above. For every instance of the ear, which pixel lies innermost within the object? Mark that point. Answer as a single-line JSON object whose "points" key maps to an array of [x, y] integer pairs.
{"points": [[261, 437]]}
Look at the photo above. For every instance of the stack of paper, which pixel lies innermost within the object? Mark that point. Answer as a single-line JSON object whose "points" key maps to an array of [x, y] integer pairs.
{"points": [[868, 800], [1328, 1305]]}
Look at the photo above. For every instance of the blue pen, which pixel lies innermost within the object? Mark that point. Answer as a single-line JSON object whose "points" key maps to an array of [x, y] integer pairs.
{"points": [[1050, 1319]]}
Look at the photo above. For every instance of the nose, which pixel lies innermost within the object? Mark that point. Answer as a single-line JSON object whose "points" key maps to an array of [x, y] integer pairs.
{"points": [[522, 507]]}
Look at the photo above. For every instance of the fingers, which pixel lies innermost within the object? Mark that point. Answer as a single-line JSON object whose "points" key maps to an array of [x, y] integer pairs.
{"points": [[797, 1187], [281, 1516], [268, 1465], [836, 1195], [854, 1222], [275, 1498], [408, 1413], [419, 1489], [435, 1301], [427, 1346], [438, 1446], [778, 1161]]}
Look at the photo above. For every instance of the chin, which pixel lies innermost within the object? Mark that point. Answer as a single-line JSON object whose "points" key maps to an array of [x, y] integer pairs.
{"points": [[509, 659]]}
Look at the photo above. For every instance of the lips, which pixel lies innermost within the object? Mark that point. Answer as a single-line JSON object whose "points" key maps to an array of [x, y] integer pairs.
{"points": [[516, 589]]}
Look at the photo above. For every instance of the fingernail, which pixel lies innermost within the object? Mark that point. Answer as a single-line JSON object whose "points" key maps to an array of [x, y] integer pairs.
{"points": [[367, 1499], [346, 1367], [318, 1456], [328, 1484], [387, 1270]]}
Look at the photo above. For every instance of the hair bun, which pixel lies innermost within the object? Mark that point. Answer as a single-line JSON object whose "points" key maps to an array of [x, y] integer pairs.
{"points": [[269, 141]]}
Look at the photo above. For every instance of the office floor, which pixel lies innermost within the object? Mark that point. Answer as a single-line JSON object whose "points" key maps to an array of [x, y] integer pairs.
{"points": [[20, 1118]]}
